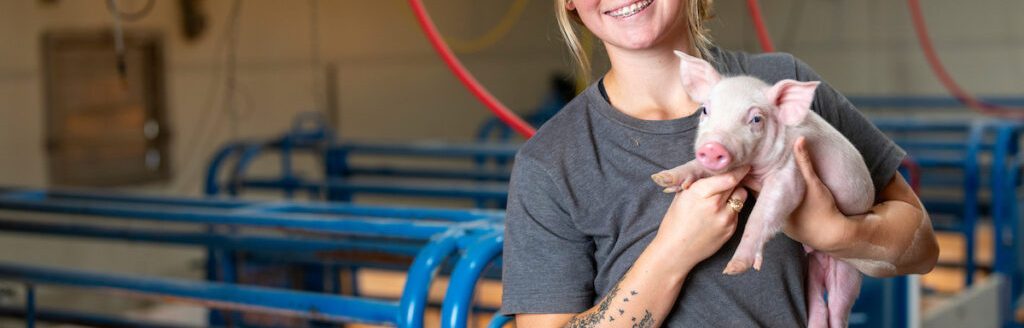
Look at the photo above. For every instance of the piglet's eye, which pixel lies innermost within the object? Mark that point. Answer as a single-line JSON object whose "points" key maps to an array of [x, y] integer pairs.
{"points": [[703, 110], [756, 119]]}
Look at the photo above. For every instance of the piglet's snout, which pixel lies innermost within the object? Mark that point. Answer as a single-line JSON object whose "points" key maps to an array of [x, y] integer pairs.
{"points": [[714, 156]]}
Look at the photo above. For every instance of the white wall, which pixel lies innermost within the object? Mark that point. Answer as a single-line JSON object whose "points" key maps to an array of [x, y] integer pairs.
{"points": [[391, 84], [869, 46]]}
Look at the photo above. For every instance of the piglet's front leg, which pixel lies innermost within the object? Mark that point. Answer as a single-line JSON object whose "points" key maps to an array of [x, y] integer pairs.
{"points": [[680, 177], [780, 195]]}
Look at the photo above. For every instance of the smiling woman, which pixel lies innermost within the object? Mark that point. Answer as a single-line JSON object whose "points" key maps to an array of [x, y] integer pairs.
{"points": [[592, 242], [698, 13]]}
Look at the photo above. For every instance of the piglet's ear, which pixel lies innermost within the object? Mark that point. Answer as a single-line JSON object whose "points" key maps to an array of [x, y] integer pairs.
{"points": [[793, 99], [698, 76]]}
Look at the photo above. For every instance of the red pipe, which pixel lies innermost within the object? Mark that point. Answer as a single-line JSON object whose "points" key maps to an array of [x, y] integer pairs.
{"points": [[947, 80], [464, 76], [762, 31]]}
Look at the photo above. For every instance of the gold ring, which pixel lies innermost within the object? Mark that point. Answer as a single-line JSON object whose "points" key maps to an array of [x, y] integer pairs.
{"points": [[735, 205]]}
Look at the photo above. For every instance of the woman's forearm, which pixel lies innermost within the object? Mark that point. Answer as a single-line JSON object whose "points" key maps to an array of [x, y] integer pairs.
{"points": [[895, 238], [695, 226], [644, 295]]}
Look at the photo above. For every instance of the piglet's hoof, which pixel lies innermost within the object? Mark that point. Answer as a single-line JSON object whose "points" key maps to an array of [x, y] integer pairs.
{"points": [[736, 267], [663, 179]]}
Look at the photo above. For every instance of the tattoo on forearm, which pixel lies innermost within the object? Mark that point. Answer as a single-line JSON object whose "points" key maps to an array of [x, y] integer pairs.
{"points": [[592, 319], [646, 322]]}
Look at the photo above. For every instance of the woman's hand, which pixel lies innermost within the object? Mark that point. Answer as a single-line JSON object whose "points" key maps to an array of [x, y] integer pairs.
{"points": [[817, 222], [699, 221]]}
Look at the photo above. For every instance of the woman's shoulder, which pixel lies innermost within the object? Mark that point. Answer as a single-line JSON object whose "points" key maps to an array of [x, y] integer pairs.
{"points": [[564, 131]]}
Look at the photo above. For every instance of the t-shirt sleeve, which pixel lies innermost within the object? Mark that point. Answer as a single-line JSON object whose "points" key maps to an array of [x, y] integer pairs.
{"points": [[548, 264], [882, 155]]}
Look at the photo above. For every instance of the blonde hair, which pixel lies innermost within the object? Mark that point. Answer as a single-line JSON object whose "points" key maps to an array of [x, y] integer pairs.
{"points": [[698, 12]]}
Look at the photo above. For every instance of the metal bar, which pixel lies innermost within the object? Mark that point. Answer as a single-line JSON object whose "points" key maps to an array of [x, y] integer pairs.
{"points": [[30, 305], [390, 227], [459, 298], [908, 143], [242, 165], [971, 188], [211, 186], [286, 165], [907, 125], [432, 149], [1011, 235], [39, 195], [471, 192], [927, 101], [421, 274], [217, 240], [490, 191], [467, 174], [249, 298], [396, 211], [499, 321], [84, 319], [391, 211]]}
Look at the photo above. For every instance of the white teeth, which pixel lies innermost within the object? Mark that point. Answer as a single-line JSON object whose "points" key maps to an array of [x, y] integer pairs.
{"points": [[630, 10]]}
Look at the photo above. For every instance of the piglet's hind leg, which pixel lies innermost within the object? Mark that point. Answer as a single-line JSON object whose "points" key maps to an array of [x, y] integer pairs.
{"points": [[817, 310], [843, 283]]}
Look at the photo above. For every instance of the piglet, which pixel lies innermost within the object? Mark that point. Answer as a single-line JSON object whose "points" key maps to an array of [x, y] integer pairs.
{"points": [[745, 121]]}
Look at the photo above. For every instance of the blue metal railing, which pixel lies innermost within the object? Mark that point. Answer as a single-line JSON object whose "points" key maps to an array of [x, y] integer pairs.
{"points": [[963, 146], [432, 235]]}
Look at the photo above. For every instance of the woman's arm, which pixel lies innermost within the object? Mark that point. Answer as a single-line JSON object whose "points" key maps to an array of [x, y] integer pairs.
{"points": [[894, 238], [644, 296], [694, 227]]}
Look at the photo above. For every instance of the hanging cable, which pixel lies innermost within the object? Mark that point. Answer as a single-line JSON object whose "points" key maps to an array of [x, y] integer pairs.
{"points": [[946, 79], [515, 11], [122, 65], [762, 30], [231, 80], [208, 122], [132, 16], [315, 65], [467, 79]]}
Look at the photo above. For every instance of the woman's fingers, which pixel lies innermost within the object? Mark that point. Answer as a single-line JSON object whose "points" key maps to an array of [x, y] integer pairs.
{"points": [[738, 195], [803, 160], [719, 184]]}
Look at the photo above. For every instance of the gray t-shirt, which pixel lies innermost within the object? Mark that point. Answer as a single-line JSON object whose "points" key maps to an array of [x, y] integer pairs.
{"points": [[582, 207]]}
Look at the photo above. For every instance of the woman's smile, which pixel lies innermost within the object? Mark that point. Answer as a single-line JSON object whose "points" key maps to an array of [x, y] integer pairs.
{"points": [[629, 10]]}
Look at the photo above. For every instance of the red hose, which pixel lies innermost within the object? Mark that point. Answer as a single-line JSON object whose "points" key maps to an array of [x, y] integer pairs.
{"points": [[947, 80], [762, 31], [464, 76]]}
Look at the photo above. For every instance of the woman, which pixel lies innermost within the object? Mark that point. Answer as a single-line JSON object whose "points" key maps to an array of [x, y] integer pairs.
{"points": [[592, 242]]}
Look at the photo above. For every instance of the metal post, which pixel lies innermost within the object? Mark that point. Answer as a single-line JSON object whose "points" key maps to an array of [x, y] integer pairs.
{"points": [[459, 298], [421, 274], [30, 306], [972, 177], [499, 321]]}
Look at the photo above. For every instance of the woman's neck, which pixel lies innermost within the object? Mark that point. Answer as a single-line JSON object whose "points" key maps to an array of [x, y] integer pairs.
{"points": [[646, 85]]}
